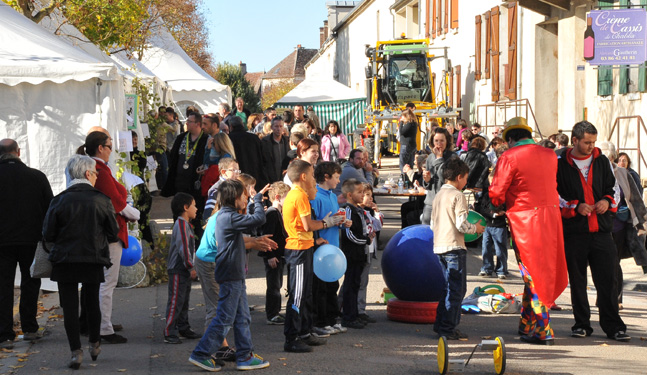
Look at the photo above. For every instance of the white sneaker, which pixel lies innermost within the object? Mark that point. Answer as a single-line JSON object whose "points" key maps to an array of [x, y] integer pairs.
{"points": [[320, 332], [331, 330], [340, 328]]}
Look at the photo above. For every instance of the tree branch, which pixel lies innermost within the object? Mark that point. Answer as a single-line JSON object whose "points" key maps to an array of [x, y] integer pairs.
{"points": [[46, 11]]}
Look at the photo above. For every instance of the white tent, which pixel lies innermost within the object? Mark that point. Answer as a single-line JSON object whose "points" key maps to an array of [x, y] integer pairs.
{"points": [[50, 94], [191, 85], [330, 100]]}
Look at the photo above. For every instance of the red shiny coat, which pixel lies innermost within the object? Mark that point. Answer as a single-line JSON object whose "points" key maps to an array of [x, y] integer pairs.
{"points": [[117, 194], [525, 180]]}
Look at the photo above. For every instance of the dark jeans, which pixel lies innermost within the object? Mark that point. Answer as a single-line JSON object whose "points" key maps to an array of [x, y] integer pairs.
{"points": [[495, 240], [274, 281], [326, 307], [69, 299], [233, 312], [29, 289], [448, 314], [298, 311], [352, 280], [407, 155], [177, 307], [598, 251]]}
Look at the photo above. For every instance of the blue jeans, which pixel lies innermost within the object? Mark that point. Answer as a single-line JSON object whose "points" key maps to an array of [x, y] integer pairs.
{"points": [[448, 314], [495, 240], [233, 311], [407, 155]]}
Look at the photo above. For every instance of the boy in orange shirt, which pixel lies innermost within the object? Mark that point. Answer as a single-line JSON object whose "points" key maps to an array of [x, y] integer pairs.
{"points": [[300, 226]]}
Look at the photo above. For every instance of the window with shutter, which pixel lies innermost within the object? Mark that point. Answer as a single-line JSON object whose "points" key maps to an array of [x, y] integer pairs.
{"points": [[457, 70], [511, 74], [434, 14], [446, 17], [488, 42], [439, 18], [477, 49], [494, 48], [454, 14]]}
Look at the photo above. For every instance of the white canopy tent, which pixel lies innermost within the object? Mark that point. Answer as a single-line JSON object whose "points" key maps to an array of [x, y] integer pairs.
{"points": [[51, 94], [330, 100], [191, 84]]}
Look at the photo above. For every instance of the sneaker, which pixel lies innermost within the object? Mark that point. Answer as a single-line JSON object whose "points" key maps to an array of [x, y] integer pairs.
{"points": [[114, 339], [579, 332], [501, 276], [483, 273], [172, 340], [457, 335], [277, 321], [367, 318], [313, 340], [620, 336], [320, 332], [297, 346], [340, 328], [6, 344], [226, 354], [219, 361], [32, 336], [332, 330], [189, 334], [254, 362], [206, 364], [356, 324]]}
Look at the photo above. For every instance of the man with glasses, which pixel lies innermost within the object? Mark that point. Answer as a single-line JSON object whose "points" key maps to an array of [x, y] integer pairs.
{"points": [[25, 194], [186, 156], [275, 148]]}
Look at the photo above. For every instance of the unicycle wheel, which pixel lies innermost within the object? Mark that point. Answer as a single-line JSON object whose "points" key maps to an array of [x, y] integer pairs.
{"points": [[442, 356], [498, 355]]}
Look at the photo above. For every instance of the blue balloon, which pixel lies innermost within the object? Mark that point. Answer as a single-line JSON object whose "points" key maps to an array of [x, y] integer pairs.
{"points": [[410, 268], [131, 254], [329, 263]]}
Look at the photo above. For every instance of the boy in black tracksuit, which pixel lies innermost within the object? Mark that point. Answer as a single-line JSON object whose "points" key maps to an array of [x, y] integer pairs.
{"points": [[353, 243], [585, 184]]}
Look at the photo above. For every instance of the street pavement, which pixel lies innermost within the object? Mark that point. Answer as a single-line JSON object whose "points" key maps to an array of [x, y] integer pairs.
{"points": [[385, 347]]}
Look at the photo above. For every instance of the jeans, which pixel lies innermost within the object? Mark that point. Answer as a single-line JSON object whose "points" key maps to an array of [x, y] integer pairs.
{"points": [[233, 312], [407, 155], [495, 240], [29, 290], [448, 314], [210, 288]]}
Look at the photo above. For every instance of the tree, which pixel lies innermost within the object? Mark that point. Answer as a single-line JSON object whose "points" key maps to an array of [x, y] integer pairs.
{"points": [[273, 93], [233, 76]]}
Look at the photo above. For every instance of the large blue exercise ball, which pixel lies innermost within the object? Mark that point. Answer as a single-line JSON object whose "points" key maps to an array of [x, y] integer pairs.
{"points": [[329, 263], [131, 254], [410, 268]]}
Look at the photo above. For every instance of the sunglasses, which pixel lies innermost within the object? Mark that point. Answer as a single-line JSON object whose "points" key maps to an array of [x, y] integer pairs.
{"points": [[108, 146]]}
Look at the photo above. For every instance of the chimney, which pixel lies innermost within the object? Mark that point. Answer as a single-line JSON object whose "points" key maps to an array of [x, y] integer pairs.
{"points": [[325, 30], [243, 67], [298, 46], [322, 39]]}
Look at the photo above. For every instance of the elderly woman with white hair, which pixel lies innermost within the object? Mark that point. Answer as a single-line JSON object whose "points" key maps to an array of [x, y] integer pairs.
{"points": [[629, 223], [80, 223]]}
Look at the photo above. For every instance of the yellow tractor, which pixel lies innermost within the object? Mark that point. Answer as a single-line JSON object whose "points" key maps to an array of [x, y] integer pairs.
{"points": [[399, 72]]}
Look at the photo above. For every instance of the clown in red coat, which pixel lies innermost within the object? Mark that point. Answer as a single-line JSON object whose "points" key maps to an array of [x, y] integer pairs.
{"points": [[525, 180]]}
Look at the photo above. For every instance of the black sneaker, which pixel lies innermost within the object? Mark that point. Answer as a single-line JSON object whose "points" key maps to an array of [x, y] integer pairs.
{"points": [[114, 339], [367, 318], [620, 336], [297, 346], [172, 340], [580, 332], [226, 354], [356, 324], [456, 335], [276, 321], [313, 340], [189, 334]]}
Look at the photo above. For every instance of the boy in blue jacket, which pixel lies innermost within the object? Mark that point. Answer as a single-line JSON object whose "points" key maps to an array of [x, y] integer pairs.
{"points": [[233, 309]]}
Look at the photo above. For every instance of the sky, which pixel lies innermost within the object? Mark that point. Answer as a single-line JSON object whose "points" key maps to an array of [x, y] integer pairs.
{"points": [[261, 33]]}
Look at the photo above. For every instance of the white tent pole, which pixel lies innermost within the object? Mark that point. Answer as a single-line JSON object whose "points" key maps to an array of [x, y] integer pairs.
{"points": [[98, 101]]}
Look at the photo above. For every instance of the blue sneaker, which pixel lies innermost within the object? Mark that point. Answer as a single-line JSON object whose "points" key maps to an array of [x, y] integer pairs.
{"points": [[208, 364], [254, 362]]}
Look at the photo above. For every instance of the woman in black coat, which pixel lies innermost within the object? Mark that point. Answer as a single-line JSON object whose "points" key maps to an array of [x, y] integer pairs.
{"points": [[479, 164], [80, 223]]}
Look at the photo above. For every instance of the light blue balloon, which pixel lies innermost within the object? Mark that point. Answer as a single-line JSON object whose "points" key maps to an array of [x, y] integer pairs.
{"points": [[131, 254], [329, 263]]}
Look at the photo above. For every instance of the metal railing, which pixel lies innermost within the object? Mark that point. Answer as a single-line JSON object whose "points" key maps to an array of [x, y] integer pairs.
{"points": [[518, 107], [639, 124]]}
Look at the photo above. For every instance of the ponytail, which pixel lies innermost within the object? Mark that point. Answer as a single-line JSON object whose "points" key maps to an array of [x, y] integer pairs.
{"points": [[81, 150]]}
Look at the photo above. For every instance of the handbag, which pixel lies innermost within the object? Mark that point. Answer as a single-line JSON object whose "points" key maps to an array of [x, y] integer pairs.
{"points": [[41, 267]]}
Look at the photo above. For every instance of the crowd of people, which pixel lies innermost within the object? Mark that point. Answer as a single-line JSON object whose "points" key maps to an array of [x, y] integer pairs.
{"points": [[282, 186]]}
